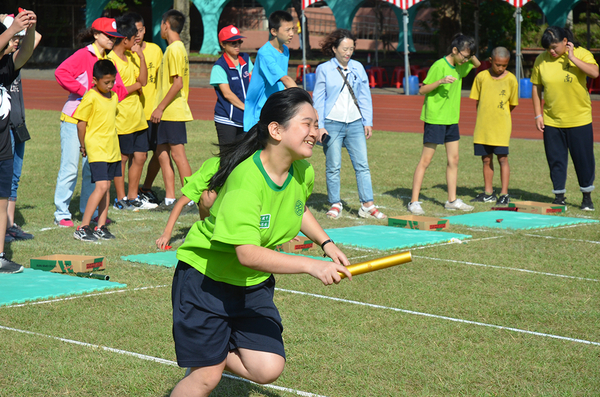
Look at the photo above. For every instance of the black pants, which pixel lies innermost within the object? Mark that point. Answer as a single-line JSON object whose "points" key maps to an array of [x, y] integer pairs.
{"points": [[579, 141], [228, 133]]}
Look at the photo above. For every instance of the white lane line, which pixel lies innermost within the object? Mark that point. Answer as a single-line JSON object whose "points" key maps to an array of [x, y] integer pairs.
{"points": [[507, 268], [457, 320], [115, 291], [153, 359], [562, 238]]}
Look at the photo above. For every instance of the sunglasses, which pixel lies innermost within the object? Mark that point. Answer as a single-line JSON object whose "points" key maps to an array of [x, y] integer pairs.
{"points": [[235, 43]]}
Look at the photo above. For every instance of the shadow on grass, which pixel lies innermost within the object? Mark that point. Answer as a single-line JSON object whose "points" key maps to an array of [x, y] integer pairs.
{"points": [[19, 219], [404, 194], [515, 194]]}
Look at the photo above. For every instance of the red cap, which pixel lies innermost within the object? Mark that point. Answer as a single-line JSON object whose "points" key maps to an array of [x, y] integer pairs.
{"points": [[230, 33], [107, 26]]}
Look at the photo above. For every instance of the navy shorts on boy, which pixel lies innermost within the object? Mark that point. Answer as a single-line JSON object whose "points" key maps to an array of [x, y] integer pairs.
{"points": [[172, 132], [6, 175], [134, 142], [211, 318], [440, 134], [103, 171], [486, 150]]}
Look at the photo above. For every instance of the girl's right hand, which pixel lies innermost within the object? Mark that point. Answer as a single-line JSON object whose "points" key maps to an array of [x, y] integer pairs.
{"points": [[327, 272], [539, 123], [163, 241], [448, 80]]}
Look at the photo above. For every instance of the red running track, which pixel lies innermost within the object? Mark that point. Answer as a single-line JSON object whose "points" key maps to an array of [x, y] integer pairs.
{"points": [[399, 113]]}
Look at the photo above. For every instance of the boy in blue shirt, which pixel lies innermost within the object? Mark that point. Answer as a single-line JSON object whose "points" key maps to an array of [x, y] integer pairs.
{"points": [[271, 66]]}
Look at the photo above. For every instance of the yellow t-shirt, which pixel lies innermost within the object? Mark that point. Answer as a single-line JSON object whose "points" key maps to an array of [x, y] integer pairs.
{"points": [[567, 102], [174, 63], [153, 55], [131, 117], [101, 141], [495, 96]]}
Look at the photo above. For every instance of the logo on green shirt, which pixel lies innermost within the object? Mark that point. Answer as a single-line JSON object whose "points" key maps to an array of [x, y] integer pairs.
{"points": [[299, 208], [265, 221]]}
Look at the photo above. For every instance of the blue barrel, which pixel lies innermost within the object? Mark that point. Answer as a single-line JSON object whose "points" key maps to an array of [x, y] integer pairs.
{"points": [[310, 81], [412, 86], [525, 88]]}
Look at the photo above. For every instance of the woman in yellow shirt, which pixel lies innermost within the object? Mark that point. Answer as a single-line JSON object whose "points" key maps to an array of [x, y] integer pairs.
{"points": [[566, 119]]}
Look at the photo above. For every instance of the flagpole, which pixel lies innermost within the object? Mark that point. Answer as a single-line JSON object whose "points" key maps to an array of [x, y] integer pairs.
{"points": [[303, 27], [518, 49], [406, 64]]}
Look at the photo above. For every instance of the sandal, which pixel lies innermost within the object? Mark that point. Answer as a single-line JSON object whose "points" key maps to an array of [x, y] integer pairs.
{"points": [[371, 212], [335, 211]]}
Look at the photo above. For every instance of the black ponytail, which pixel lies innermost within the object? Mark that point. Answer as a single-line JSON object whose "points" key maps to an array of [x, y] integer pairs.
{"points": [[555, 34], [86, 37], [281, 107]]}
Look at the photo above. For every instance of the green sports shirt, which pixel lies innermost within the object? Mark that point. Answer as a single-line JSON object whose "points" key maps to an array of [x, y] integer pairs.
{"points": [[250, 209], [442, 105]]}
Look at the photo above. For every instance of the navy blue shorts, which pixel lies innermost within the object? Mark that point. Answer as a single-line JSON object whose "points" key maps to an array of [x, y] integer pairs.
{"points": [[134, 142], [103, 171], [440, 134], [211, 318], [6, 175], [486, 150], [171, 132]]}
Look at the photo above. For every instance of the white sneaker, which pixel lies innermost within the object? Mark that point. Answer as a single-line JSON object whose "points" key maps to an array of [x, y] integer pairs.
{"points": [[142, 205], [415, 208], [458, 204]]}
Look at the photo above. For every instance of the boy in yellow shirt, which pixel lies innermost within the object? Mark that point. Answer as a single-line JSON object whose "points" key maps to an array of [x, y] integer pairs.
{"points": [[496, 93], [153, 56], [96, 128], [172, 110], [132, 126]]}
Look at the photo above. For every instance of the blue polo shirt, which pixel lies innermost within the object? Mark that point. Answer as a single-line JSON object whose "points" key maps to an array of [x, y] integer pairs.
{"points": [[270, 66]]}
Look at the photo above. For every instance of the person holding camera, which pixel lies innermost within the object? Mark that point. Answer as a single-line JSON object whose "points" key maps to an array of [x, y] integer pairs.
{"points": [[566, 119]]}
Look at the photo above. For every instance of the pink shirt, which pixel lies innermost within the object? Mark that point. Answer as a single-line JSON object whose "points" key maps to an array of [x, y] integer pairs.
{"points": [[75, 75]]}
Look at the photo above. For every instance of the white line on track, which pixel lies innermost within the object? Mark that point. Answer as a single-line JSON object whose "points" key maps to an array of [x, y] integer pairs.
{"points": [[562, 238], [154, 359], [457, 320], [508, 268]]}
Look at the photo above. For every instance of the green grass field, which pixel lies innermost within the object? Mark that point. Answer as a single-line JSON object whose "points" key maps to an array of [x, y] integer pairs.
{"points": [[509, 313]]}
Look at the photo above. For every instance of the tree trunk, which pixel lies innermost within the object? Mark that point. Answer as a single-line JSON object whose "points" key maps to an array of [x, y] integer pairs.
{"points": [[184, 7], [449, 24]]}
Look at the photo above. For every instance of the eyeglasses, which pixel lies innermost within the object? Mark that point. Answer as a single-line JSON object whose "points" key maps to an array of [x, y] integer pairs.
{"points": [[235, 43], [464, 57]]}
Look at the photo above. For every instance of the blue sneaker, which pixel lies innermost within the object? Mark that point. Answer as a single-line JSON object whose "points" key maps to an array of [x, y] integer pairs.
{"points": [[124, 205]]}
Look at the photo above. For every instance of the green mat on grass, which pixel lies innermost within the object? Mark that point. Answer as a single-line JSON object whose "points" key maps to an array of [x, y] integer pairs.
{"points": [[514, 220], [37, 284], [168, 258], [388, 237]]}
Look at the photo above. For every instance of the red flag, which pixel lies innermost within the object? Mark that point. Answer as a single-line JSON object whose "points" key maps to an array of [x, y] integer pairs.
{"points": [[403, 4], [517, 3]]}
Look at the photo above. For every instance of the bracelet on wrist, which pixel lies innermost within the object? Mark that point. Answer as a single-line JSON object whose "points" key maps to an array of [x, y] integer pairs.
{"points": [[537, 117], [324, 243]]}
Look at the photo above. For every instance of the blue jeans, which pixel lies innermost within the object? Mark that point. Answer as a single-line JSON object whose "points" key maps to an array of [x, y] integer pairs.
{"points": [[352, 136], [18, 150], [67, 174]]}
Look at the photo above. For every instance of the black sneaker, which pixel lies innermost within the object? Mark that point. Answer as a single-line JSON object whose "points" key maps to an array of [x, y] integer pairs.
{"points": [[8, 266], [485, 198], [559, 200], [124, 205], [102, 233], [8, 238], [149, 196], [163, 207], [17, 233], [503, 199], [84, 233], [586, 203]]}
